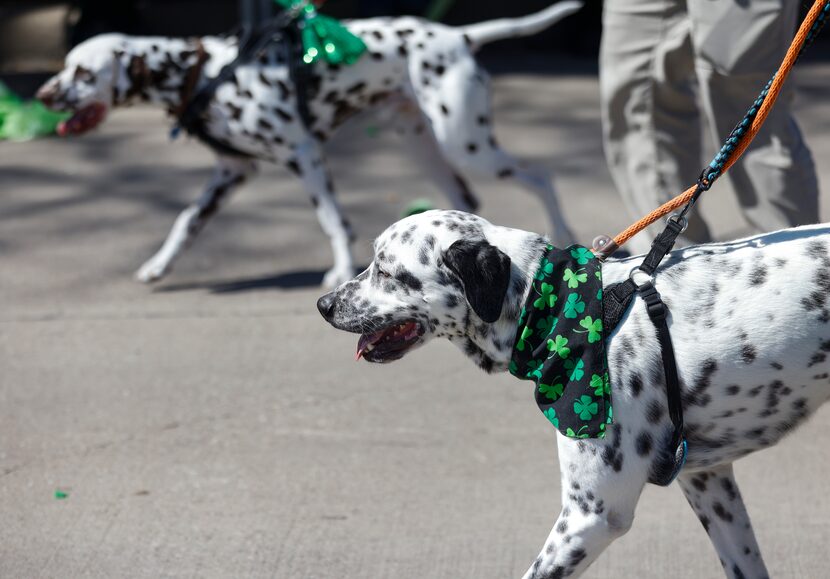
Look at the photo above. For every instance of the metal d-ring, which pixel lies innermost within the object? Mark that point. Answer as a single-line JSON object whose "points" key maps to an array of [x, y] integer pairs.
{"points": [[679, 219]]}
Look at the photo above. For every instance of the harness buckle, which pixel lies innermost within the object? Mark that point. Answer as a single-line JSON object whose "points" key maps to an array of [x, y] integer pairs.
{"points": [[657, 310]]}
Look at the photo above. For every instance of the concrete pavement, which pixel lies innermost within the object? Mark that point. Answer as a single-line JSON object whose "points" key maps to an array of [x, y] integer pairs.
{"points": [[215, 426]]}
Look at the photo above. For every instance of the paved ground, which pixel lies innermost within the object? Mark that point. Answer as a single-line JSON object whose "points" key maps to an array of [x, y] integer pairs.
{"points": [[214, 426]]}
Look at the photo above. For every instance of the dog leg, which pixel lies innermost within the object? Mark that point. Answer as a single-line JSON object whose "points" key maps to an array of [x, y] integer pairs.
{"points": [[715, 498], [310, 167], [415, 130], [600, 488], [229, 173]]}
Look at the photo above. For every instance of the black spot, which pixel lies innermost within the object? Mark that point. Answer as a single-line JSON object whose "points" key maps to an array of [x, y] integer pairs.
{"points": [[730, 489], [406, 278], [776, 365], [636, 385], [654, 412], [505, 173], [748, 353], [445, 110], [644, 443], [721, 512], [294, 167], [733, 389], [758, 275], [472, 147]]}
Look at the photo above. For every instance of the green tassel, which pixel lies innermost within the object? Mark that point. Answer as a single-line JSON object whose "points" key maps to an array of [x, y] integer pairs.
{"points": [[324, 37]]}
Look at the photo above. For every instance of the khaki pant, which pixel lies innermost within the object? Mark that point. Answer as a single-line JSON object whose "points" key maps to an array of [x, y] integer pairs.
{"points": [[661, 62]]}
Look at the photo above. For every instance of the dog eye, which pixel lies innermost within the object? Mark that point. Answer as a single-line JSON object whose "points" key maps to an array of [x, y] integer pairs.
{"points": [[82, 75]]}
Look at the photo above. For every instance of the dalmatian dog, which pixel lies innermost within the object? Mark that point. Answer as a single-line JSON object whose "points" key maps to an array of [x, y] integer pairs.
{"points": [[423, 73], [751, 346]]}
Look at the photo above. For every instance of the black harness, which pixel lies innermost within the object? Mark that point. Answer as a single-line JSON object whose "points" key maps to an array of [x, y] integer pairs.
{"points": [[284, 28], [617, 299]]}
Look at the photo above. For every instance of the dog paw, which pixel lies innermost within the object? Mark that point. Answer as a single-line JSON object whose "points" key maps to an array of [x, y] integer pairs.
{"points": [[334, 277], [151, 271]]}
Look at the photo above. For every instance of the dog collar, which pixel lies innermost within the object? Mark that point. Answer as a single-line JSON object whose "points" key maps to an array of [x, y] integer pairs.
{"points": [[560, 343]]}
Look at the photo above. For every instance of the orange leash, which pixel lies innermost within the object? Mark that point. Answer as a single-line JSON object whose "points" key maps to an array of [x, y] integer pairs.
{"points": [[604, 247]]}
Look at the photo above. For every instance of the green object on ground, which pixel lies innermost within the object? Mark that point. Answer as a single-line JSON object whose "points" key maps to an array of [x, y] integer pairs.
{"points": [[59, 494], [23, 121], [418, 206], [324, 37]]}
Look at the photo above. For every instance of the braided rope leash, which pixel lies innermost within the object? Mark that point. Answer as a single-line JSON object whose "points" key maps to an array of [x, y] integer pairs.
{"points": [[737, 141]]}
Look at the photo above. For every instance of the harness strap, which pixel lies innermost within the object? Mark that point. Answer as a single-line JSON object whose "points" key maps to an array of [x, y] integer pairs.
{"points": [[283, 27], [617, 298]]}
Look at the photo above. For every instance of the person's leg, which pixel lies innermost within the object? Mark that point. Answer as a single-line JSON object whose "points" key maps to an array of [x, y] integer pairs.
{"points": [[650, 114], [738, 47]]}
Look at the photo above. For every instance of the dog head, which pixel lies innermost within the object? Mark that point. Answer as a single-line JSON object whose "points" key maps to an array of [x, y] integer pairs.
{"points": [[94, 72], [112, 70], [437, 274]]}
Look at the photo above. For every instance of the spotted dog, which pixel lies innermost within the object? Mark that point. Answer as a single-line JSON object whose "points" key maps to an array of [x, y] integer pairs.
{"points": [[424, 72], [751, 345]]}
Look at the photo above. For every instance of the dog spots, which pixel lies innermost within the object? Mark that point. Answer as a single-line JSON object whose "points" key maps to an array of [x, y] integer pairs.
{"points": [[505, 173], [729, 489], [293, 166], [644, 444], [733, 390], [445, 110], [758, 275], [748, 353], [654, 412], [612, 456], [635, 385], [721, 512]]}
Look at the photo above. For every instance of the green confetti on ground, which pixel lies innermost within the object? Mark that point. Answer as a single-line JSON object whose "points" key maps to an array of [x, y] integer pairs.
{"points": [[61, 495]]}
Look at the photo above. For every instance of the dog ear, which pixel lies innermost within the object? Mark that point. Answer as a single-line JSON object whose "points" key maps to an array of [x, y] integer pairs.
{"points": [[484, 272]]}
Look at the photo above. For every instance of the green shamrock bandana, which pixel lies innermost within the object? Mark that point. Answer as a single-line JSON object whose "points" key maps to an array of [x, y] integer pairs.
{"points": [[560, 344]]}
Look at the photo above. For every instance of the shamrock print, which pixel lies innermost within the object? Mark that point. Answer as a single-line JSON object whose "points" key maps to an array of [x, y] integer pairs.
{"points": [[593, 327], [574, 306], [552, 391], [545, 270], [546, 298], [522, 316], [563, 318], [550, 414], [559, 345], [578, 434], [574, 278], [582, 255], [522, 344], [575, 367], [585, 407], [546, 326], [600, 384]]}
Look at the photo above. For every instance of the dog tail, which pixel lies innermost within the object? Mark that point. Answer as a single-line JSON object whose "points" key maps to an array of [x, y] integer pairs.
{"points": [[485, 32]]}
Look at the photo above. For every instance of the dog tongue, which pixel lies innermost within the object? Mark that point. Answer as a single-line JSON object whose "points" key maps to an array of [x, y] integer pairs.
{"points": [[83, 120], [366, 341]]}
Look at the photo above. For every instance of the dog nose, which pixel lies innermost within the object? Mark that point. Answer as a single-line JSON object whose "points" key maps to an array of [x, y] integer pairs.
{"points": [[326, 305]]}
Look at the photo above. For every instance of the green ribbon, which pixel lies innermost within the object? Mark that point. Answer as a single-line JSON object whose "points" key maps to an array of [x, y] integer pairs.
{"points": [[324, 37]]}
